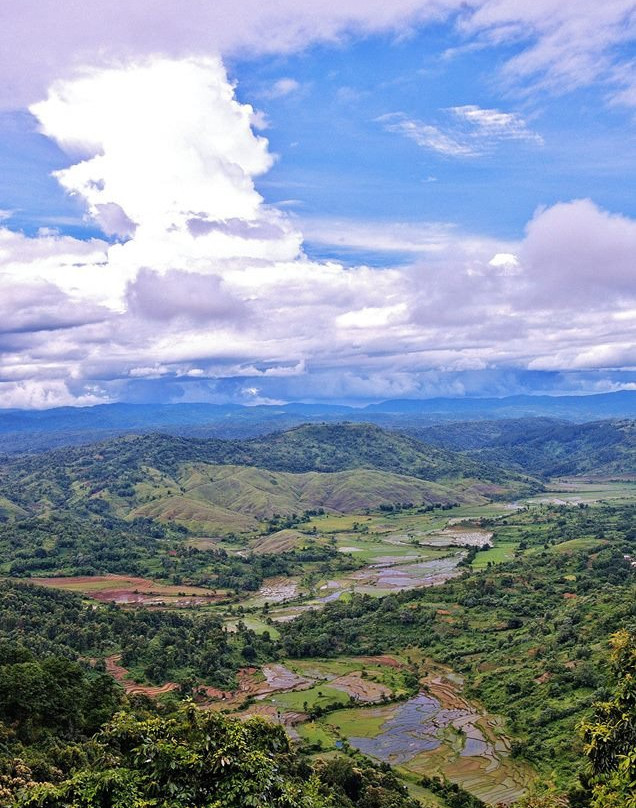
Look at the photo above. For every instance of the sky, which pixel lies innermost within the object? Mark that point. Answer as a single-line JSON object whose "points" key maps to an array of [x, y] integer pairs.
{"points": [[315, 201]]}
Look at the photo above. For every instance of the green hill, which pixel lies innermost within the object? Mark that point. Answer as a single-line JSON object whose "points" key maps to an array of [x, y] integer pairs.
{"points": [[236, 498], [543, 446], [336, 447], [229, 486]]}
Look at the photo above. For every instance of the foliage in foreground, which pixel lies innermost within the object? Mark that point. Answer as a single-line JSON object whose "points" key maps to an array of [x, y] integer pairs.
{"points": [[610, 737], [203, 759]]}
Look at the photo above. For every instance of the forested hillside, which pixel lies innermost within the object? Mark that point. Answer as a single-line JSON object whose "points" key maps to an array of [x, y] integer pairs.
{"points": [[229, 486], [541, 446]]}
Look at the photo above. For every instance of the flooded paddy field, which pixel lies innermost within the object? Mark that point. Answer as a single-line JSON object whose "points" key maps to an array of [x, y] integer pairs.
{"points": [[437, 731], [365, 702], [387, 575]]}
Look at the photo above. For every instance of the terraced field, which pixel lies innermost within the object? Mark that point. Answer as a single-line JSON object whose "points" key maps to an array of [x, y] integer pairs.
{"points": [[437, 731], [127, 590]]}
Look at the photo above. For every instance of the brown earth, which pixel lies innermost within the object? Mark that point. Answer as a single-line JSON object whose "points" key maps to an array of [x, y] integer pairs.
{"points": [[382, 659], [120, 674], [365, 690], [128, 590]]}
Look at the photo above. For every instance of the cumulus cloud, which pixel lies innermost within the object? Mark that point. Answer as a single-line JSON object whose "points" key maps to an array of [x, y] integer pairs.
{"points": [[574, 252], [32, 395], [200, 298], [207, 293]]}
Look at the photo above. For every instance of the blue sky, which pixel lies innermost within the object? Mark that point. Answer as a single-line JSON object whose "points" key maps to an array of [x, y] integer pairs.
{"points": [[336, 159], [432, 199]]}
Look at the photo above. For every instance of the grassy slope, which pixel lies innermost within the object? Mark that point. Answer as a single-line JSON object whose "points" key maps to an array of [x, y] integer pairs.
{"points": [[235, 498], [212, 486]]}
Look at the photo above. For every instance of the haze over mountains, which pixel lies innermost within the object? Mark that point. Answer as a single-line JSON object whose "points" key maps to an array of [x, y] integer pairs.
{"points": [[32, 430]]}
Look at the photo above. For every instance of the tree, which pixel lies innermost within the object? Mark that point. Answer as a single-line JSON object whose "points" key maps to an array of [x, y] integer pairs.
{"points": [[192, 758], [610, 738]]}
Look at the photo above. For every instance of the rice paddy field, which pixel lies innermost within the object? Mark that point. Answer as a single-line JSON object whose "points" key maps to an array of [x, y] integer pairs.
{"points": [[437, 731], [572, 491], [369, 703]]}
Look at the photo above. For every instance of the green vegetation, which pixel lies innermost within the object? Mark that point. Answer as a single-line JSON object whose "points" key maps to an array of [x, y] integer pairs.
{"points": [[542, 447], [162, 645], [311, 517], [504, 551], [528, 635], [197, 480], [453, 795], [69, 545], [610, 736], [187, 757]]}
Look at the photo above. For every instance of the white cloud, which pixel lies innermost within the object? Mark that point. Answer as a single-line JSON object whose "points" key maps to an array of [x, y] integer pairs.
{"points": [[400, 237], [43, 40], [562, 45], [32, 395], [558, 44], [493, 125], [212, 288], [473, 132], [426, 135], [283, 87], [575, 254], [371, 316]]}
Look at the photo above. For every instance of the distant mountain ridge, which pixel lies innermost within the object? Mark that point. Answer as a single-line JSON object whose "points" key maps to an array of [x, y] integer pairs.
{"points": [[37, 430]]}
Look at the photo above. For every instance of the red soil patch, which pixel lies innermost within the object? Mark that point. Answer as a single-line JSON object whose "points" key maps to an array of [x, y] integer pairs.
{"points": [[120, 673], [129, 590], [204, 694], [382, 659]]}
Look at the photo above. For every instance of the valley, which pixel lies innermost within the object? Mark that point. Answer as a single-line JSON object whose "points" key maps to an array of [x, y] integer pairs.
{"points": [[444, 622]]}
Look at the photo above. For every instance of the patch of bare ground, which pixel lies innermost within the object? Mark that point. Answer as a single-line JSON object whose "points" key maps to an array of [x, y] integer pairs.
{"points": [[382, 659], [363, 690], [126, 590], [121, 675]]}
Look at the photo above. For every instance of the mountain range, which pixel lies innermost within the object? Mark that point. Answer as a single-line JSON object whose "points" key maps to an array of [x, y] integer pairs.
{"points": [[35, 430]]}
